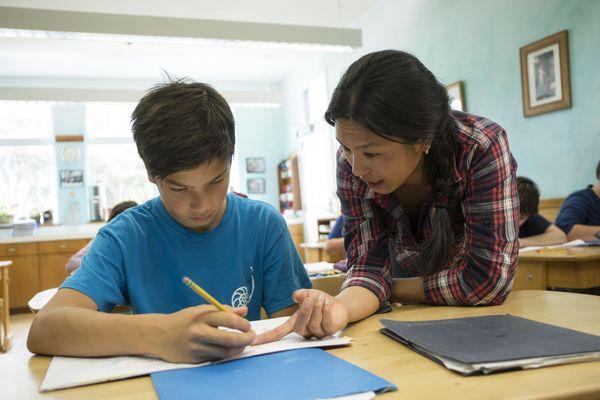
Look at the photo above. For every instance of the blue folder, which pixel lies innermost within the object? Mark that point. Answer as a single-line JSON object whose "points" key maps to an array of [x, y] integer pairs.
{"points": [[295, 374]]}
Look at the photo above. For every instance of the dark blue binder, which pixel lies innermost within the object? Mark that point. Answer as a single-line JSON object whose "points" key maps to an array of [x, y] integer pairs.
{"points": [[296, 374], [493, 343]]}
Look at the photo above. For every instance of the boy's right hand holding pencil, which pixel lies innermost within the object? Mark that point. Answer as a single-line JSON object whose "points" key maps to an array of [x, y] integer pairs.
{"points": [[192, 335]]}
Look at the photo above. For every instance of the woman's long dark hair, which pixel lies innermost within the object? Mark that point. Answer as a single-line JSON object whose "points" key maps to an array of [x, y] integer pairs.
{"points": [[395, 96]]}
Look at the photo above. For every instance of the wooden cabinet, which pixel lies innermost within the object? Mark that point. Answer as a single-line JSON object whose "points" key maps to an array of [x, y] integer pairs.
{"points": [[52, 258], [37, 266], [530, 276], [325, 226], [297, 233], [288, 177], [52, 269], [23, 281]]}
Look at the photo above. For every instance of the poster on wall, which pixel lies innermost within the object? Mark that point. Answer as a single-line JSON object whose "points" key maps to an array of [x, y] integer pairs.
{"points": [[255, 165], [545, 75], [456, 96], [70, 178], [256, 186]]}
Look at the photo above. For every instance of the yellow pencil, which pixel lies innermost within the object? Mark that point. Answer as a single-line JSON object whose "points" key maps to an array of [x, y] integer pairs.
{"points": [[203, 293]]}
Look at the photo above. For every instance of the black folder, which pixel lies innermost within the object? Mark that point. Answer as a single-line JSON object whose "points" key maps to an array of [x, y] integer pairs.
{"points": [[493, 343]]}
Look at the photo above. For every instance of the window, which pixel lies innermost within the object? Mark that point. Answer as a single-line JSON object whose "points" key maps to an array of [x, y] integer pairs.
{"points": [[109, 120], [120, 170], [25, 120], [27, 160], [113, 160]]}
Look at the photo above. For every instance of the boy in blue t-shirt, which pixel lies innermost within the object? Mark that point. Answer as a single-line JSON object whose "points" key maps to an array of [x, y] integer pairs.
{"points": [[237, 249]]}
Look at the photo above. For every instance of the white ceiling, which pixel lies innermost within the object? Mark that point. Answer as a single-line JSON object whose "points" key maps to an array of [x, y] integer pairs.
{"points": [[64, 58]]}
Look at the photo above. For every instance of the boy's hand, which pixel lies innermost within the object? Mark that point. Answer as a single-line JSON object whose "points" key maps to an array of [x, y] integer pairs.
{"points": [[192, 335], [319, 315]]}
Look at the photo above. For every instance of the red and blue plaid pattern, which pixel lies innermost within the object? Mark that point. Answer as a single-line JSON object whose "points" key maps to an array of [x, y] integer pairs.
{"points": [[484, 208]]}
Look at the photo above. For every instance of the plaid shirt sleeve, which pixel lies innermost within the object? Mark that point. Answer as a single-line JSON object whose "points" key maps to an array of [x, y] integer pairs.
{"points": [[364, 235], [491, 210]]}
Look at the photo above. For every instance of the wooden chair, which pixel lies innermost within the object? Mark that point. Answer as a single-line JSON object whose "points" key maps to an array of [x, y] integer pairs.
{"points": [[549, 208], [5, 333]]}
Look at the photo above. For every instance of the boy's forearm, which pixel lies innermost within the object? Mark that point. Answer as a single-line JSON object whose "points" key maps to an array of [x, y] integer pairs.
{"points": [[77, 331], [584, 232], [544, 239]]}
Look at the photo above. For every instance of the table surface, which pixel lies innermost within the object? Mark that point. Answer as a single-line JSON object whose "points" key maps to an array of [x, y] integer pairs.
{"points": [[50, 233], [563, 254], [416, 376]]}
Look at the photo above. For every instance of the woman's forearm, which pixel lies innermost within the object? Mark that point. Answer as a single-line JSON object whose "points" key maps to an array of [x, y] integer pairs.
{"points": [[359, 302]]}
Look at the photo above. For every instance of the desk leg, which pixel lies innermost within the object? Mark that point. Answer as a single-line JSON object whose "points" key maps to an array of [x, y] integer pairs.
{"points": [[7, 340]]}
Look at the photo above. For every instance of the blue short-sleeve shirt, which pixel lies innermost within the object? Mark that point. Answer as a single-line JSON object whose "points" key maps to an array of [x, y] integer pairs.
{"points": [[140, 258], [581, 207]]}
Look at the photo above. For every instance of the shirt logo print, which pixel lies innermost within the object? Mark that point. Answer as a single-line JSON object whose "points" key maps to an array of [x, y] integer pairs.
{"points": [[240, 296]]}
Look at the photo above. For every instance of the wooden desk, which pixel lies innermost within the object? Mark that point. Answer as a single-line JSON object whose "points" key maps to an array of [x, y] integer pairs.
{"points": [[571, 268], [330, 284], [416, 376], [315, 252], [5, 334]]}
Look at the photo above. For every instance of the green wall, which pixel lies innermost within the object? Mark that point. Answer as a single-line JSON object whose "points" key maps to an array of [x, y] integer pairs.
{"points": [[477, 42]]}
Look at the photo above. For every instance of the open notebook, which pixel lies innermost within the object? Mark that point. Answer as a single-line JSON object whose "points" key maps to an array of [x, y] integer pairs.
{"points": [[65, 372], [493, 343]]}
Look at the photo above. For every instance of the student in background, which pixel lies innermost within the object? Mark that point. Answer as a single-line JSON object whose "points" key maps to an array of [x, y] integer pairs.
{"points": [[579, 215], [75, 261], [429, 198], [239, 250], [335, 239], [534, 230]]}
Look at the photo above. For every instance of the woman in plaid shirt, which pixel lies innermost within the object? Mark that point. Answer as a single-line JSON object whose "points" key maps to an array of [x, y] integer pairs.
{"points": [[429, 198]]}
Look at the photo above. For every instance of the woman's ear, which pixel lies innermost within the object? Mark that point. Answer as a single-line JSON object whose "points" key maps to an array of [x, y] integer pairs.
{"points": [[423, 147]]}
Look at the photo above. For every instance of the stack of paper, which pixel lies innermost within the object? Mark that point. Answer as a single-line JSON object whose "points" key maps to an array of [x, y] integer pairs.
{"points": [[482, 345], [65, 372], [573, 243], [316, 268]]}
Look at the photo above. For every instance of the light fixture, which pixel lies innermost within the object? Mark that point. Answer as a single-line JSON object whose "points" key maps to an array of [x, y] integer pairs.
{"points": [[74, 25]]}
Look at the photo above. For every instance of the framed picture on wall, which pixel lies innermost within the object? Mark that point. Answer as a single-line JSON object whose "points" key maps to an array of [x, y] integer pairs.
{"points": [[545, 75], [256, 186], [71, 178], [255, 165], [456, 94]]}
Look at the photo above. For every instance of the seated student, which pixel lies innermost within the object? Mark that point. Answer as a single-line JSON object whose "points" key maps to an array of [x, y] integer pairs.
{"points": [[75, 261], [239, 250], [335, 239], [579, 215], [534, 230]]}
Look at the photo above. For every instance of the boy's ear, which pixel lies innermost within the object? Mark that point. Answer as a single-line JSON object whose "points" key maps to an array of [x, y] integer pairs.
{"points": [[151, 179]]}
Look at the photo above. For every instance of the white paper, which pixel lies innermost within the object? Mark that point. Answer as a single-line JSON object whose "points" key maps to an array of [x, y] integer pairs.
{"points": [[573, 243], [318, 267], [65, 372]]}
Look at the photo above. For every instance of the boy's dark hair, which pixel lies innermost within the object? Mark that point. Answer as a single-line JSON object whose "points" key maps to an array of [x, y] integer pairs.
{"points": [[119, 208], [180, 125], [598, 171], [529, 196]]}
